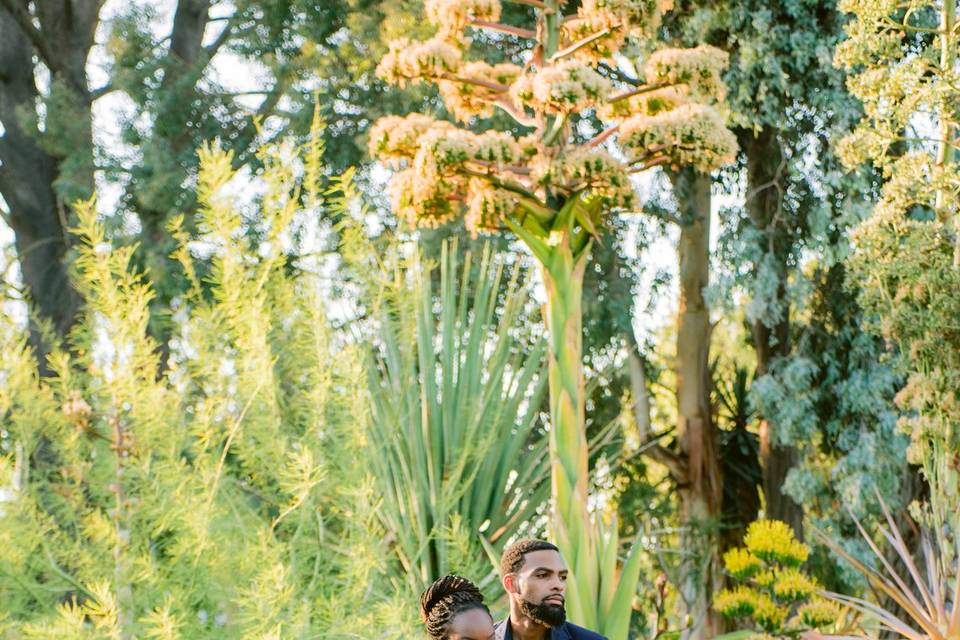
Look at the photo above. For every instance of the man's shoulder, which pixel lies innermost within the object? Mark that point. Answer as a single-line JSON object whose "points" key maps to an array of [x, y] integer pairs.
{"points": [[566, 631], [575, 632]]}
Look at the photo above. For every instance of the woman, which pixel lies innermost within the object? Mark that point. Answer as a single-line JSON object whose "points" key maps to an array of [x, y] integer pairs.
{"points": [[452, 609]]}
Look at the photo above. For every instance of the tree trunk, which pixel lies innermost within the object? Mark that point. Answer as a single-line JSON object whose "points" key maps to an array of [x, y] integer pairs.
{"points": [[39, 179], [701, 492], [771, 337]]}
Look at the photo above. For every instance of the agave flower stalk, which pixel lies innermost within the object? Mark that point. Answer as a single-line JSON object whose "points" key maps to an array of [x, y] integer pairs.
{"points": [[553, 192]]}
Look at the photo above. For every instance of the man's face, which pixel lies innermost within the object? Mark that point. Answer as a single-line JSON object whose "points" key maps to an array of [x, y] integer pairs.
{"points": [[540, 585]]}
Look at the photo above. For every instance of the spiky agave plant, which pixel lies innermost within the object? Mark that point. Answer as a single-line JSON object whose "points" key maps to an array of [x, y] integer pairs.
{"points": [[552, 187], [927, 595]]}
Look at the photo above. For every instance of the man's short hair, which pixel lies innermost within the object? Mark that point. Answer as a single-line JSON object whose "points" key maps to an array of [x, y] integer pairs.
{"points": [[513, 556]]}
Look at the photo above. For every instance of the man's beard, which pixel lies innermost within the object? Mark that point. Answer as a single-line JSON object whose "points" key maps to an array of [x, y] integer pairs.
{"points": [[548, 615]]}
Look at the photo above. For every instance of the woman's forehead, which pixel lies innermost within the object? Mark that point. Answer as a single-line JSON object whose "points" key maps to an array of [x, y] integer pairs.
{"points": [[472, 623]]}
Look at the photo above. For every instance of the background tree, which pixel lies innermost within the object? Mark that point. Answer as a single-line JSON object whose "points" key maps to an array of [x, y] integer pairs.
{"points": [[169, 93], [907, 258]]}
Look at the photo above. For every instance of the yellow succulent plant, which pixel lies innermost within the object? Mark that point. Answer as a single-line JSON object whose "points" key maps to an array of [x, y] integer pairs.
{"points": [[775, 594]]}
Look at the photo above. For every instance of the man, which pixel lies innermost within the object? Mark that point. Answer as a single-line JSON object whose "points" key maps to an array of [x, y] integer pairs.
{"points": [[534, 576]]}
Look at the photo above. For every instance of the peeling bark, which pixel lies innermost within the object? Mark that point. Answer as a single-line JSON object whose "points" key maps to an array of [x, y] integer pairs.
{"points": [[701, 491]]}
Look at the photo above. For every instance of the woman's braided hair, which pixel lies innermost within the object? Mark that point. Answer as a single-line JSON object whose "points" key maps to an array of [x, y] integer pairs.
{"points": [[446, 598]]}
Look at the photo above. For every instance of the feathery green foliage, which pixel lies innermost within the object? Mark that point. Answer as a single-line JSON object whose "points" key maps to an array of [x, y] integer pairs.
{"points": [[908, 252], [224, 497]]}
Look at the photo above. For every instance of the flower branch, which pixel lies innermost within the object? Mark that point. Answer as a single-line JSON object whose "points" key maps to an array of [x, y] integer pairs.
{"points": [[576, 46], [487, 84], [603, 136], [528, 34], [645, 88]]}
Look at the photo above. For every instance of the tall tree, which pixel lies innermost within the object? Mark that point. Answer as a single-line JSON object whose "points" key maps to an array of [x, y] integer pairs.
{"points": [[46, 162], [300, 51]]}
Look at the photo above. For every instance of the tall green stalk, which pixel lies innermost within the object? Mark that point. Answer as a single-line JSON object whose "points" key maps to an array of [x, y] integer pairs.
{"points": [[598, 595]]}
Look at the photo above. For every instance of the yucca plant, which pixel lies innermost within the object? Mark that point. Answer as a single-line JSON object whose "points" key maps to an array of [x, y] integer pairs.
{"points": [[928, 595], [456, 383]]}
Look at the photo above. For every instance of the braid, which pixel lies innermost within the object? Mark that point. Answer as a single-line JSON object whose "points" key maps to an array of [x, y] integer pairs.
{"points": [[446, 598]]}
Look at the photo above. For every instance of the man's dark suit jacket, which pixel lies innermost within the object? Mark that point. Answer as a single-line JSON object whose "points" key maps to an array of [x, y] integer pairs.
{"points": [[566, 631]]}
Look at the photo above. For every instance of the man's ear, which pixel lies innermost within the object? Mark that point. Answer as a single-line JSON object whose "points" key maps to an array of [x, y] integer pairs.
{"points": [[509, 582]]}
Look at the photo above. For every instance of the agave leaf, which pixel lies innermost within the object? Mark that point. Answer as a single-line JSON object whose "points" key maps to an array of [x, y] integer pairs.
{"points": [[904, 555], [886, 586], [903, 551], [618, 615], [883, 616]]}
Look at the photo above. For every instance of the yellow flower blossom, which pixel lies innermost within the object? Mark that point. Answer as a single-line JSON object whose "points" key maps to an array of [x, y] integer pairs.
{"points": [[763, 579], [735, 603], [793, 585], [741, 563], [818, 613], [772, 540], [768, 614]]}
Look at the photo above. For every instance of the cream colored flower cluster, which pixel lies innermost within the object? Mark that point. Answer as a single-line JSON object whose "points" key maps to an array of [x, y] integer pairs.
{"points": [[643, 15], [565, 87], [699, 68], [691, 134], [487, 206], [410, 61], [586, 169], [650, 103], [418, 203], [586, 24], [466, 100], [615, 19], [913, 180], [431, 186], [452, 15], [397, 138]]}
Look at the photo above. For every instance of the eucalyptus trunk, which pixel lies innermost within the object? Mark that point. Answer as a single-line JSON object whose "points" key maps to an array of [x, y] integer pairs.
{"points": [[701, 491]]}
